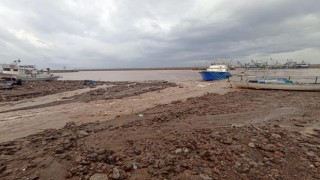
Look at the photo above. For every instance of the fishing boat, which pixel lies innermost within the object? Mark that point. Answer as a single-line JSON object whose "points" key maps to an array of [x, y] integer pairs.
{"points": [[276, 84], [25, 72], [216, 72]]}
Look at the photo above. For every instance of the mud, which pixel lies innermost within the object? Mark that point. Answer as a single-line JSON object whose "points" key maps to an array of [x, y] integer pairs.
{"points": [[113, 90], [243, 134], [33, 89]]}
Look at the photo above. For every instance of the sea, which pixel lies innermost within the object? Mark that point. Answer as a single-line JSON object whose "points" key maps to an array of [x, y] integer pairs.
{"points": [[183, 75]]}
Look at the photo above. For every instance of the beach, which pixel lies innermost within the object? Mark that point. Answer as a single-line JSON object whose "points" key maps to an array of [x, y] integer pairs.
{"points": [[158, 125]]}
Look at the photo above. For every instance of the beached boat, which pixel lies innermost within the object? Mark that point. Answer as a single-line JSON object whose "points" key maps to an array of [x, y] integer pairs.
{"points": [[25, 72], [216, 72], [9, 84], [276, 84]]}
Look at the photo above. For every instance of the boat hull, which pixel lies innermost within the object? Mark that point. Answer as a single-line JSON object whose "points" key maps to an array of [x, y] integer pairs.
{"points": [[211, 76], [287, 87]]}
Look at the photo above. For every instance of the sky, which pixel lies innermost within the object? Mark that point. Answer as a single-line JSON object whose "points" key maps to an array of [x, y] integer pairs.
{"points": [[148, 33]]}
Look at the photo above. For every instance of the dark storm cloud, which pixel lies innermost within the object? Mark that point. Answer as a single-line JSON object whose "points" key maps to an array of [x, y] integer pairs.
{"points": [[143, 33]]}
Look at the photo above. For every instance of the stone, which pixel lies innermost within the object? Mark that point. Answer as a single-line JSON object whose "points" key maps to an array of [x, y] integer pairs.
{"points": [[227, 141], [136, 165], [216, 170], [98, 176], [253, 164], [78, 158], [236, 125], [237, 164], [205, 177], [276, 136], [68, 175], [311, 154], [127, 167], [59, 150], [34, 177], [101, 158], [269, 147], [85, 169], [70, 124], [115, 173], [178, 151], [83, 133], [2, 168], [251, 145], [279, 144], [185, 150], [101, 151]]}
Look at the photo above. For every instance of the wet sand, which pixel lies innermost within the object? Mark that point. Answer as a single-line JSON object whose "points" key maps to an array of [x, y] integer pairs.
{"points": [[189, 130]]}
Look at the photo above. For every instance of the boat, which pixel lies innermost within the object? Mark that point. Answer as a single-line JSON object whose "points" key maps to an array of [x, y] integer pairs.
{"points": [[276, 84], [25, 72], [216, 72], [9, 83]]}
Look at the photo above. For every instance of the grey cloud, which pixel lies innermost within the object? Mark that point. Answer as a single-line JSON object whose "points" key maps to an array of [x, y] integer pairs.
{"points": [[145, 33]]}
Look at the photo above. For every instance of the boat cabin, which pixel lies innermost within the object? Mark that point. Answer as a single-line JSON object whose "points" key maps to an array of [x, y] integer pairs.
{"points": [[218, 68]]}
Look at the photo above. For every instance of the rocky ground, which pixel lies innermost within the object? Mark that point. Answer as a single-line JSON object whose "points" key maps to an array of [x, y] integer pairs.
{"points": [[243, 134]]}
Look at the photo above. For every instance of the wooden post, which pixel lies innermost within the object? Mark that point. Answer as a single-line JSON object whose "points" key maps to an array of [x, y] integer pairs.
{"points": [[316, 80], [289, 78]]}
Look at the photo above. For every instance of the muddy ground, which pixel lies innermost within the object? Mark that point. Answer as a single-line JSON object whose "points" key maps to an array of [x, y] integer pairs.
{"points": [[243, 134], [110, 90], [32, 89]]}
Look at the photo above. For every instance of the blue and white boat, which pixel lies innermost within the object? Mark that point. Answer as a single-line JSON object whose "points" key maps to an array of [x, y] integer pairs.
{"points": [[216, 72]]}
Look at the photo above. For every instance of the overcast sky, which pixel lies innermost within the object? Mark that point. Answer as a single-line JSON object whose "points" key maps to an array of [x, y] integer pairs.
{"points": [[148, 33]]}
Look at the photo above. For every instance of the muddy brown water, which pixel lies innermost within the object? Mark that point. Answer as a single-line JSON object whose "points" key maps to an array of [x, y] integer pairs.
{"points": [[175, 75]]}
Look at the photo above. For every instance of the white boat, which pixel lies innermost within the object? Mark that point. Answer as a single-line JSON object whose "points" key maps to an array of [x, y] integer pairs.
{"points": [[266, 86], [25, 72]]}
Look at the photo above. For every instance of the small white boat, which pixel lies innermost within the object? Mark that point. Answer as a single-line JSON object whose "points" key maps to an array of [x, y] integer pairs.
{"points": [[266, 86], [25, 72]]}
